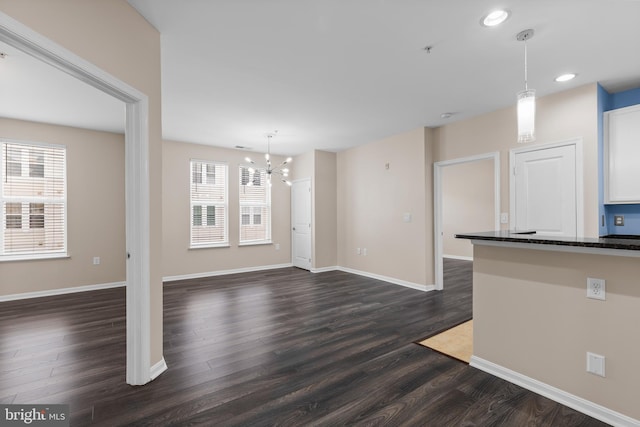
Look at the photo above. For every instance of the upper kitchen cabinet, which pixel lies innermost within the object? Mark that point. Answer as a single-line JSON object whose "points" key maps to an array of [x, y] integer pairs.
{"points": [[622, 155]]}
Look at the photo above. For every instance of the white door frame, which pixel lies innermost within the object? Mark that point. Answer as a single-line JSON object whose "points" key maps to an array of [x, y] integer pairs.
{"points": [[437, 204], [311, 219], [577, 142], [22, 37]]}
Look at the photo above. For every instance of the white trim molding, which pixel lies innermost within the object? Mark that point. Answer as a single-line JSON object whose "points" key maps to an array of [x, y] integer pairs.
{"points": [[137, 184], [224, 272], [572, 401], [459, 257], [158, 368], [61, 291], [406, 284], [324, 269]]}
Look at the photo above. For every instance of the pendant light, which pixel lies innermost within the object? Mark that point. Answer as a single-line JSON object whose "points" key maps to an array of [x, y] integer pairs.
{"points": [[526, 99], [269, 169]]}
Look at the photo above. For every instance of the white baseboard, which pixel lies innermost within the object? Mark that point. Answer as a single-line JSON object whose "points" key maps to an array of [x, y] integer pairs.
{"points": [[393, 280], [579, 404], [61, 291], [158, 368], [461, 258], [324, 269], [224, 272]]}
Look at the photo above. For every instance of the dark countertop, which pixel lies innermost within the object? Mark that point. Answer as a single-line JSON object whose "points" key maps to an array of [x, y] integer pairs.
{"points": [[532, 238]]}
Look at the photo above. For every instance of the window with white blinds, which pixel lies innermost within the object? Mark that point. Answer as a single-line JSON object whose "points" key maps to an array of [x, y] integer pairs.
{"points": [[209, 204], [255, 206], [33, 192]]}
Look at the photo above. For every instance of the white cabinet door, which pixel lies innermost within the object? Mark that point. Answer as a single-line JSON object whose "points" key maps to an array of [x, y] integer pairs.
{"points": [[622, 155], [545, 191]]}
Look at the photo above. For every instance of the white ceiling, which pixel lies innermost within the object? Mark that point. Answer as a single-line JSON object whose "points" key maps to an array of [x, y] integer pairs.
{"points": [[332, 74], [33, 90]]}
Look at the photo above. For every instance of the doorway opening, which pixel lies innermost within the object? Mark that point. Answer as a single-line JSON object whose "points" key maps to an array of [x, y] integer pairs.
{"points": [[137, 196], [454, 182]]}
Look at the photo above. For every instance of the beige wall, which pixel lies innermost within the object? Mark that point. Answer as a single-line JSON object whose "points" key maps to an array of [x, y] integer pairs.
{"points": [[114, 37], [531, 315], [178, 259], [95, 197], [561, 116], [372, 200], [467, 204], [325, 225], [303, 166]]}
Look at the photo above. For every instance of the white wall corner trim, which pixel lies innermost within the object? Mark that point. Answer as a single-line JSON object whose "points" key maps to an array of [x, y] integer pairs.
{"points": [[575, 402], [224, 272], [62, 291], [406, 284], [158, 368]]}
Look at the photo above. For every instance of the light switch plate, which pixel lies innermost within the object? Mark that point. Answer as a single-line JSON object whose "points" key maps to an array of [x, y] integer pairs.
{"points": [[595, 364]]}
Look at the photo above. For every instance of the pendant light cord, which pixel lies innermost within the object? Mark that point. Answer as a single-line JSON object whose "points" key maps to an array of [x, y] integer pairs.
{"points": [[525, 65]]}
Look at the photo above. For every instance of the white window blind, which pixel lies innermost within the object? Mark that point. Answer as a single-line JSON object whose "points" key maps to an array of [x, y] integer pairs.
{"points": [[255, 206], [209, 205], [33, 192]]}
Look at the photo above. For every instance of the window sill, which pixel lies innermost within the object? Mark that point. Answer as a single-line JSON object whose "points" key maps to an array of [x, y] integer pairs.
{"points": [[225, 245], [38, 257], [261, 242]]}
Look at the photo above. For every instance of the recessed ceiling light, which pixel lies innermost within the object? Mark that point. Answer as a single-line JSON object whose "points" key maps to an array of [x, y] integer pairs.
{"points": [[494, 18], [566, 77]]}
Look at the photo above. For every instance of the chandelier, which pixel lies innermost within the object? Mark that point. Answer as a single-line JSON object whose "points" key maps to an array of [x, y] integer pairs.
{"points": [[280, 170], [526, 99]]}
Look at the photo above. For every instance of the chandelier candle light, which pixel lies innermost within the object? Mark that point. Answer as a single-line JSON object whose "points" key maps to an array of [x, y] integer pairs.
{"points": [[269, 169], [526, 99]]}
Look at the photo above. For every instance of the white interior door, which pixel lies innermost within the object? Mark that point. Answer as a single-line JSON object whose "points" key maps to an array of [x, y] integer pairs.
{"points": [[545, 191], [301, 223]]}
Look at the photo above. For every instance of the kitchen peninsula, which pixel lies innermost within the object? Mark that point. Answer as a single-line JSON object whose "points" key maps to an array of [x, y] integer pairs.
{"points": [[534, 325]]}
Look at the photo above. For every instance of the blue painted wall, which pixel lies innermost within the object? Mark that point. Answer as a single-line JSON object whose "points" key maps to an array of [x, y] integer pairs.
{"points": [[606, 102]]}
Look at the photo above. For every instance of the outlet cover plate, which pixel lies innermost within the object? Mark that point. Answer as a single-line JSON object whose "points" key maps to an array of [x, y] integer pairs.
{"points": [[596, 288]]}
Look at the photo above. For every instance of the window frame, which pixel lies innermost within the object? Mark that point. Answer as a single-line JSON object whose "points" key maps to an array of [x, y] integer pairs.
{"points": [[26, 202], [204, 175]]}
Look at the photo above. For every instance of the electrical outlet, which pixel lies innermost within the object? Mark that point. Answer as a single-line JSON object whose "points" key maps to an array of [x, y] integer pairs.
{"points": [[96, 260], [595, 364], [618, 220], [277, 245], [596, 288], [504, 218], [358, 252]]}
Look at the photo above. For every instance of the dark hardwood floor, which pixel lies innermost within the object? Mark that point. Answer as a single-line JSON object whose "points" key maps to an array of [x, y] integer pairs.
{"points": [[281, 347]]}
